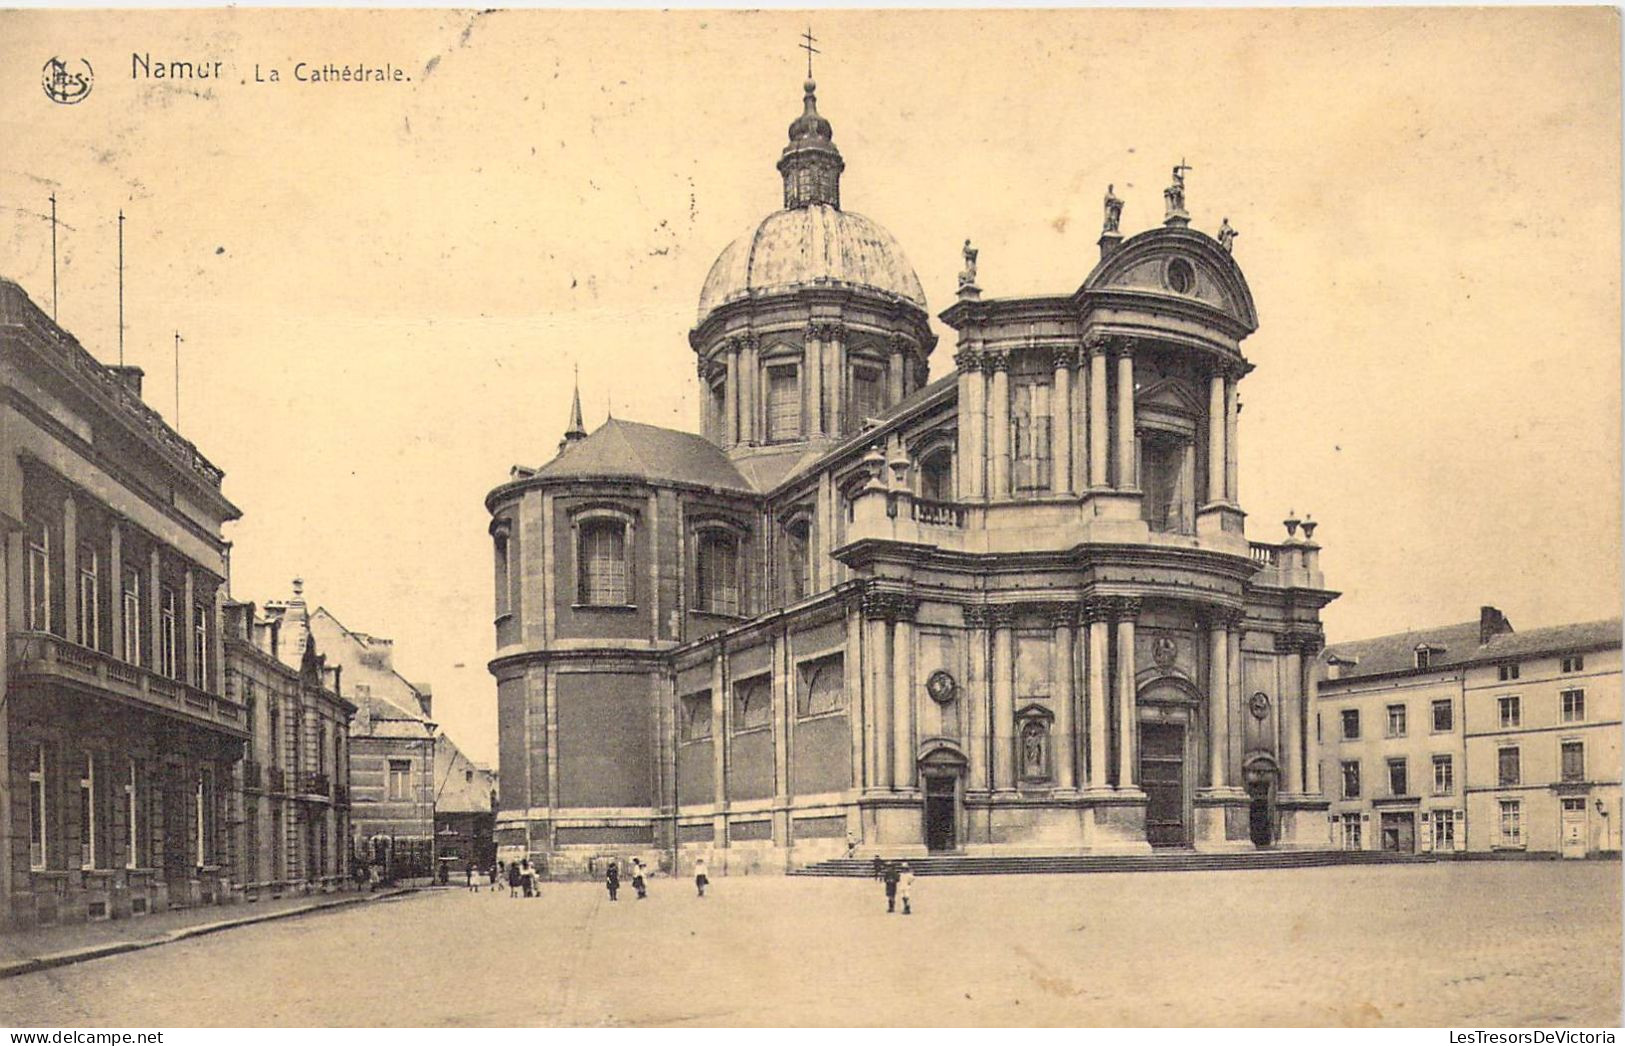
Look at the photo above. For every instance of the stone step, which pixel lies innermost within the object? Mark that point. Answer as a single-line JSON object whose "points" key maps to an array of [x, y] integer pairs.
{"points": [[1168, 861]]}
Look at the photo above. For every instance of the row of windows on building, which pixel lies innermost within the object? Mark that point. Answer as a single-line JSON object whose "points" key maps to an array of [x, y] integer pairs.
{"points": [[820, 690], [866, 399], [1572, 709], [1508, 771], [1440, 824], [275, 743], [107, 835], [1506, 671], [43, 610]]}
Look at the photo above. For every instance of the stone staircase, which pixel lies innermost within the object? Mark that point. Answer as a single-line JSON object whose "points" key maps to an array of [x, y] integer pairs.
{"points": [[1161, 861]]}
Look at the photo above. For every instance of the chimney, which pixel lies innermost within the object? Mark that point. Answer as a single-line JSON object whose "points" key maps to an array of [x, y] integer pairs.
{"points": [[129, 377], [1491, 623]]}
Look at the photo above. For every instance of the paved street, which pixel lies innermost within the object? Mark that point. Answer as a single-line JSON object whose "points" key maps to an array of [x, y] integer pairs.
{"points": [[1482, 944]]}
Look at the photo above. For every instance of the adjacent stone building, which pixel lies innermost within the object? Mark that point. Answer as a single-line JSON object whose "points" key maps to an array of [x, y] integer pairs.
{"points": [[465, 803], [293, 823], [391, 740], [118, 737], [1011, 610], [1475, 738]]}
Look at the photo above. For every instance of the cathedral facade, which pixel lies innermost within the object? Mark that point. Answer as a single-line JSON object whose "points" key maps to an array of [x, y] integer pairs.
{"points": [[1012, 610]]}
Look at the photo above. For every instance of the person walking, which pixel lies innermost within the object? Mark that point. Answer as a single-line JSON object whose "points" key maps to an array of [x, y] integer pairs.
{"points": [[880, 868], [612, 879], [637, 879], [494, 874], [701, 881], [468, 878], [527, 877], [890, 878], [513, 879], [905, 887]]}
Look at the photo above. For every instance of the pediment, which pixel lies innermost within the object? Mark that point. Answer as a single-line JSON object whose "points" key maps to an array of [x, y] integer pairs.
{"points": [[1177, 265], [1171, 394]]}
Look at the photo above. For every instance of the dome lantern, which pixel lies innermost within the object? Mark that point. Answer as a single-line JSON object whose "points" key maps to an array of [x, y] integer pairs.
{"points": [[810, 164]]}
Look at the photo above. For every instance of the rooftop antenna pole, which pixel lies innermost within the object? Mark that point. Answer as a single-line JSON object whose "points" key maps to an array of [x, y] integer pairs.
{"points": [[178, 340], [53, 256], [121, 287]]}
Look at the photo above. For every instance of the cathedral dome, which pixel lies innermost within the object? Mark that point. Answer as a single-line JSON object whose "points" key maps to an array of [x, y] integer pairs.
{"points": [[816, 245]]}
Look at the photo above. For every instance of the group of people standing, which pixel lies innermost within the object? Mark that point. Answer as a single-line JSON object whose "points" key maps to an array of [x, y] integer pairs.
{"points": [[640, 878], [899, 880], [521, 877]]}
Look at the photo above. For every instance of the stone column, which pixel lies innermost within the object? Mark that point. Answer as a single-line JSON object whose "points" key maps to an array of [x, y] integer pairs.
{"points": [[1096, 617], [719, 741], [1128, 733], [70, 571], [115, 589], [896, 378], [1310, 647], [1002, 618], [155, 640], [903, 703], [1231, 415], [1065, 745], [852, 680], [1218, 696], [1061, 421], [1097, 413], [878, 669], [1217, 459], [730, 393], [1289, 719], [972, 448], [749, 382], [978, 697], [1238, 700], [812, 365], [1126, 478], [999, 426], [834, 337]]}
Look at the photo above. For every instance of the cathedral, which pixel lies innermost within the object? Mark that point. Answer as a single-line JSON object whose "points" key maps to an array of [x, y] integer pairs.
{"points": [[1013, 610]]}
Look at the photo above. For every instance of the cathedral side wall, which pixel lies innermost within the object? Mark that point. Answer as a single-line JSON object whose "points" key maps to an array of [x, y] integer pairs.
{"points": [[512, 752], [604, 740]]}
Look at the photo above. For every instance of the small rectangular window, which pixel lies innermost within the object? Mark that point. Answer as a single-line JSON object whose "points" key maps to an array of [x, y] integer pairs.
{"points": [[1424, 657], [783, 404], [167, 650], [1574, 706], [1511, 822], [400, 780], [1351, 779], [1574, 761], [1508, 767], [1444, 775], [1396, 720], [1398, 778], [1508, 671], [38, 581], [1511, 712], [1444, 717], [1351, 724], [130, 634], [1574, 663]]}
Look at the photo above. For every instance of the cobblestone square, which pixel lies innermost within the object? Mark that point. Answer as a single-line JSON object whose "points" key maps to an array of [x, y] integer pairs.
{"points": [[1482, 944]]}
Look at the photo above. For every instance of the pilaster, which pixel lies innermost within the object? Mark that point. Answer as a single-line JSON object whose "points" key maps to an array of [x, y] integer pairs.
{"points": [[1097, 619], [1065, 747], [1002, 619], [1063, 358], [1128, 727]]}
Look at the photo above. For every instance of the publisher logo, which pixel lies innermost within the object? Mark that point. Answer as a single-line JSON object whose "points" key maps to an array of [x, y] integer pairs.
{"points": [[67, 82]]}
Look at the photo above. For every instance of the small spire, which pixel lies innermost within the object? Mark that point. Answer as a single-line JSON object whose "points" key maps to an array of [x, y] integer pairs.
{"points": [[576, 430]]}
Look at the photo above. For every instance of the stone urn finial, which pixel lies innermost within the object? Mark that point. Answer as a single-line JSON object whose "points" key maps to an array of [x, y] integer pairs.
{"points": [[1291, 523], [1309, 526]]}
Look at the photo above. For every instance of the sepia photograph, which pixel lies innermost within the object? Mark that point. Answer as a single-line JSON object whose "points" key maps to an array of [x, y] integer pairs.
{"points": [[797, 519]]}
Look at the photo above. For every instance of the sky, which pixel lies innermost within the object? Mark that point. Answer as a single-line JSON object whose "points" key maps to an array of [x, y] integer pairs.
{"points": [[384, 288]]}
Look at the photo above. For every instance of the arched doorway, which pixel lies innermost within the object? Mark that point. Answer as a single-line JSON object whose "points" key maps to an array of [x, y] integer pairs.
{"points": [[942, 772], [1261, 776], [1167, 714]]}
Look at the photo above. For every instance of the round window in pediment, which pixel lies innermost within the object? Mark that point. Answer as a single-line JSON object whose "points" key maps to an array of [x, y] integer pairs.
{"points": [[1181, 277]]}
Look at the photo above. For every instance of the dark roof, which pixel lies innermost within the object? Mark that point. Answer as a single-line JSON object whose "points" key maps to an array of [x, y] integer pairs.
{"points": [[1458, 645], [636, 451]]}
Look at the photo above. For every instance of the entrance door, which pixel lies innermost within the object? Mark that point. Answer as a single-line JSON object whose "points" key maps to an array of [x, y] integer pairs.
{"points": [[1162, 776], [1399, 833], [177, 836], [939, 813], [1574, 828]]}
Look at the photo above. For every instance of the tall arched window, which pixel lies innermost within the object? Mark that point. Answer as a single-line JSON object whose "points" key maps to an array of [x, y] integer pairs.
{"points": [[797, 565], [602, 579], [937, 475], [717, 573]]}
